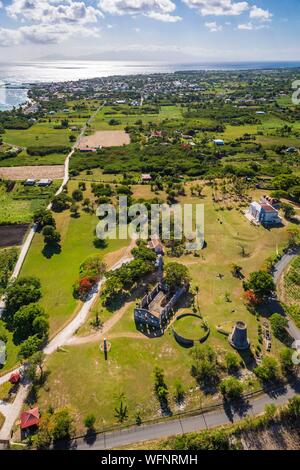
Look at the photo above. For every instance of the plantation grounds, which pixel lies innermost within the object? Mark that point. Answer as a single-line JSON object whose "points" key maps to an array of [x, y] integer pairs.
{"points": [[79, 375]]}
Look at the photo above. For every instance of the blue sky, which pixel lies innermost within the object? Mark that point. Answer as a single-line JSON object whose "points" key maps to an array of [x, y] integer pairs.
{"points": [[170, 30]]}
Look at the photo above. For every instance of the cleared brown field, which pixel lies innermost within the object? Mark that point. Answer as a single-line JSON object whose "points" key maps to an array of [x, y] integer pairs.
{"points": [[105, 139], [12, 235], [54, 172]]}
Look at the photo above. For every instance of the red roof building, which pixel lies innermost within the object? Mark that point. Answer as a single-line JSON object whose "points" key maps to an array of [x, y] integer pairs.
{"points": [[15, 378], [30, 418]]}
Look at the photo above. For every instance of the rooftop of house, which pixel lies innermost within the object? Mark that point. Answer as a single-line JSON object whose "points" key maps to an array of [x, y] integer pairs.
{"points": [[30, 418], [15, 378], [146, 177]]}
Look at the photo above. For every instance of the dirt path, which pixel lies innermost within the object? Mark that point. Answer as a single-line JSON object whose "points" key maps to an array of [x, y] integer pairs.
{"points": [[108, 325]]}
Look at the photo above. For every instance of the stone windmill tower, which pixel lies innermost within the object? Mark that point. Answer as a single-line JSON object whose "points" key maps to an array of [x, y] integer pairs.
{"points": [[239, 336]]}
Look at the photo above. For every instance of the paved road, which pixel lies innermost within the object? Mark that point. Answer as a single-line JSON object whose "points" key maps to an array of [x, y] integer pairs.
{"points": [[280, 267], [12, 411], [205, 420]]}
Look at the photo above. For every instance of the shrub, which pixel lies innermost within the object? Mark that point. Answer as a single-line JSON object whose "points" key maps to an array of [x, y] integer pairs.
{"points": [[278, 325], [231, 388], [268, 370]]}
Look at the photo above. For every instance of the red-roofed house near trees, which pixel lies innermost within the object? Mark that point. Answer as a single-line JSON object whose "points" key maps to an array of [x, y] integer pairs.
{"points": [[30, 418], [15, 378]]}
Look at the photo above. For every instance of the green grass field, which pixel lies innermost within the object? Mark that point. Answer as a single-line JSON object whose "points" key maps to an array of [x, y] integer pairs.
{"points": [[189, 327], [39, 134], [101, 122], [59, 273], [23, 159], [19, 205]]}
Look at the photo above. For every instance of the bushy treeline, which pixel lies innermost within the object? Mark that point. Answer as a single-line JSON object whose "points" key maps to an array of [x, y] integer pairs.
{"points": [[43, 151], [161, 159], [8, 259], [14, 120], [224, 114]]}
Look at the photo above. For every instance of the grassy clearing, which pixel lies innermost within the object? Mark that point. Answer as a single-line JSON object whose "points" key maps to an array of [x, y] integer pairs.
{"points": [[23, 159], [189, 327], [81, 377], [18, 205], [101, 122], [39, 134], [171, 112], [98, 176], [58, 273]]}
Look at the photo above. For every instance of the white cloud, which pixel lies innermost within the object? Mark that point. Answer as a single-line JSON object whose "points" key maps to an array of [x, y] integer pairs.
{"points": [[252, 27], [165, 17], [53, 11], [218, 7], [44, 34], [9, 37], [1, 4], [257, 13], [160, 10], [49, 21], [246, 26], [214, 27]]}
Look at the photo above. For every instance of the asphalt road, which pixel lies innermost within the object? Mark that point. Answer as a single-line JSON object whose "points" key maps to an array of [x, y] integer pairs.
{"points": [[206, 420], [281, 266]]}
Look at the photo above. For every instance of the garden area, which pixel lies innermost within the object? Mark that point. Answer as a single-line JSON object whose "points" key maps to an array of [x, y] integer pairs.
{"points": [[18, 202]]}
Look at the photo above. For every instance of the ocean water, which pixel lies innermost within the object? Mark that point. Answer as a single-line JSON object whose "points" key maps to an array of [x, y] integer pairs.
{"points": [[14, 77]]}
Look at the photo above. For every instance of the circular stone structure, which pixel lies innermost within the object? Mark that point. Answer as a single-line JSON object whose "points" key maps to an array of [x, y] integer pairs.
{"points": [[188, 330], [239, 336]]}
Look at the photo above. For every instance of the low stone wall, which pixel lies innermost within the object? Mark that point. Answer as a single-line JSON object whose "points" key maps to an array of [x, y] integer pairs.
{"points": [[187, 342]]}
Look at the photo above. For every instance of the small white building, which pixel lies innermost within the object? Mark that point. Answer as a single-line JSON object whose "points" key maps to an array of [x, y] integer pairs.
{"points": [[219, 142], [264, 214], [44, 182], [146, 178], [29, 182]]}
